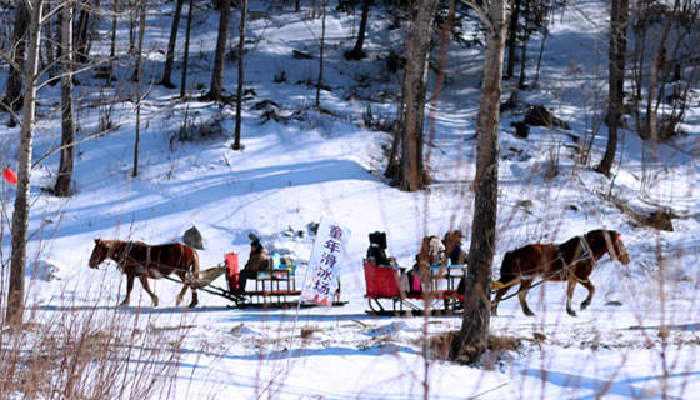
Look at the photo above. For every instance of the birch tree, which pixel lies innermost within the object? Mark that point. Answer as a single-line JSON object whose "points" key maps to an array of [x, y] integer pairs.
{"points": [[239, 88], [20, 216], [139, 78], [470, 342]]}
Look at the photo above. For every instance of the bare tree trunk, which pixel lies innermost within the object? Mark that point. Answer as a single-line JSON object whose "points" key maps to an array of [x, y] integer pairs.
{"points": [[523, 48], [132, 37], [656, 68], [512, 39], [65, 169], [139, 78], [48, 43], [170, 54], [13, 96], [545, 33], [617, 54], [239, 89], [113, 40], [81, 40], [356, 53], [183, 77], [411, 171], [217, 76], [392, 168], [320, 58], [20, 217], [471, 340]]}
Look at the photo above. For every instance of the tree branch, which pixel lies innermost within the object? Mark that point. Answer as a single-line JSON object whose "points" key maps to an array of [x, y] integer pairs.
{"points": [[65, 146], [482, 15]]}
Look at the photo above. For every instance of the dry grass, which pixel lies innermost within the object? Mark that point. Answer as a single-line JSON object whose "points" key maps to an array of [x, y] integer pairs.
{"points": [[88, 354]]}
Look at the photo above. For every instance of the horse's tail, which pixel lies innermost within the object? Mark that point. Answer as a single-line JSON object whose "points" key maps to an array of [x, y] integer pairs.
{"points": [[508, 276]]}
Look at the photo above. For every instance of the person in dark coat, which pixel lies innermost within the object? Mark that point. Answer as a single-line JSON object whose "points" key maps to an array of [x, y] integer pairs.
{"points": [[257, 261]]}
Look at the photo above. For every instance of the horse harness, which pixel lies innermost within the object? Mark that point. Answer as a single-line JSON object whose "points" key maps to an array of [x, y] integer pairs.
{"points": [[132, 261], [586, 254]]}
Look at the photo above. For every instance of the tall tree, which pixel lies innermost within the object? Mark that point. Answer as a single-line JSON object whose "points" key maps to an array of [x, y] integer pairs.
{"points": [[65, 168], [13, 90], [320, 58], [512, 38], [170, 54], [239, 89], [20, 216], [112, 41], [217, 76], [139, 78], [81, 36], [524, 40], [470, 342], [619, 10], [48, 43], [183, 77], [357, 53], [411, 174]]}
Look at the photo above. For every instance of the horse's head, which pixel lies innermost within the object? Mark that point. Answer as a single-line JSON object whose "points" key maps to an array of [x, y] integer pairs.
{"points": [[615, 247], [99, 253]]}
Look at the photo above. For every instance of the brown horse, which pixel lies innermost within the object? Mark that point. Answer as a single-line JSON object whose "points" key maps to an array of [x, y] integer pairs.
{"points": [[145, 261], [571, 261]]}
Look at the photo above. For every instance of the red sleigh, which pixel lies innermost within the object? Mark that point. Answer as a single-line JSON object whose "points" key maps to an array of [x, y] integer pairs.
{"points": [[409, 294]]}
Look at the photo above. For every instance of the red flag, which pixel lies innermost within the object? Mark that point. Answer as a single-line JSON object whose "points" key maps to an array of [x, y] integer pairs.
{"points": [[10, 176]]}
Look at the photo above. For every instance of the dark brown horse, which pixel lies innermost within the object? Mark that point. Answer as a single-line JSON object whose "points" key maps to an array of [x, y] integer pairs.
{"points": [[571, 261], [145, 261]]}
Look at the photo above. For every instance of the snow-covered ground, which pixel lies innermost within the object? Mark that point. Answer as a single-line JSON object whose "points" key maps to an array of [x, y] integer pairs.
{"points": [[638, 339]]}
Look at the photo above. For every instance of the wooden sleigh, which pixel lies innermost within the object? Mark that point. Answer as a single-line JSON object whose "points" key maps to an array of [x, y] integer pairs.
{"points": [[273, 288], [409, 295]]}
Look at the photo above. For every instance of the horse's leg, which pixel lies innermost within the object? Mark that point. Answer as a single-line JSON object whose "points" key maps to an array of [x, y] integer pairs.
{"points": [[522, 295], [193, 283], [570, 286], [144, 284], [180, 295], [591, 290], [129, 286], [194, 301], [499, 295]]}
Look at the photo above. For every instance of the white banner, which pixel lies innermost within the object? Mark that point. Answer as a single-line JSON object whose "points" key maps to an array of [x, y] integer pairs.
{"points": [[325, 262]]}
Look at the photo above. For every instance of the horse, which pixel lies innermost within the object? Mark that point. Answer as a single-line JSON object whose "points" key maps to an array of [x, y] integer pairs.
{"points": [[146, 261], [571, 261]]}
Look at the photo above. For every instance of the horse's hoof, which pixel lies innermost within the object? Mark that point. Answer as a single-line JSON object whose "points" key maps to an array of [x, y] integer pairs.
{"points": [[193, 305], [154, 301], [584, 305], [529, 313], [178, 300], [571, 312]]}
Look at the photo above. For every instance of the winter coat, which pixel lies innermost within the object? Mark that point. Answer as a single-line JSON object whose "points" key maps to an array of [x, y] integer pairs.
{"points": [[257, 261]]}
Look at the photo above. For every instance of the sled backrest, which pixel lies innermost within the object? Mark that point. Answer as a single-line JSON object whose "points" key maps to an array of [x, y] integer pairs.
{"points": [[231, 261]]}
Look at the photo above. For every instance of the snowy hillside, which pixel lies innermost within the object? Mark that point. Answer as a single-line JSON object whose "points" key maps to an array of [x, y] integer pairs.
{"points": [[639, 338]]}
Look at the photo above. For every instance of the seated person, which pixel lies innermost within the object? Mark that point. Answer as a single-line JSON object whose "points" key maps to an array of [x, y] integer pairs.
{"points": [[257, 261], [453, 248], [414, 274]]}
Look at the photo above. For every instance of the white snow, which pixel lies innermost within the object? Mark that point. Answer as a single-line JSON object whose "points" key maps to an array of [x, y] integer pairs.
{"points": [[294, 173]]}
